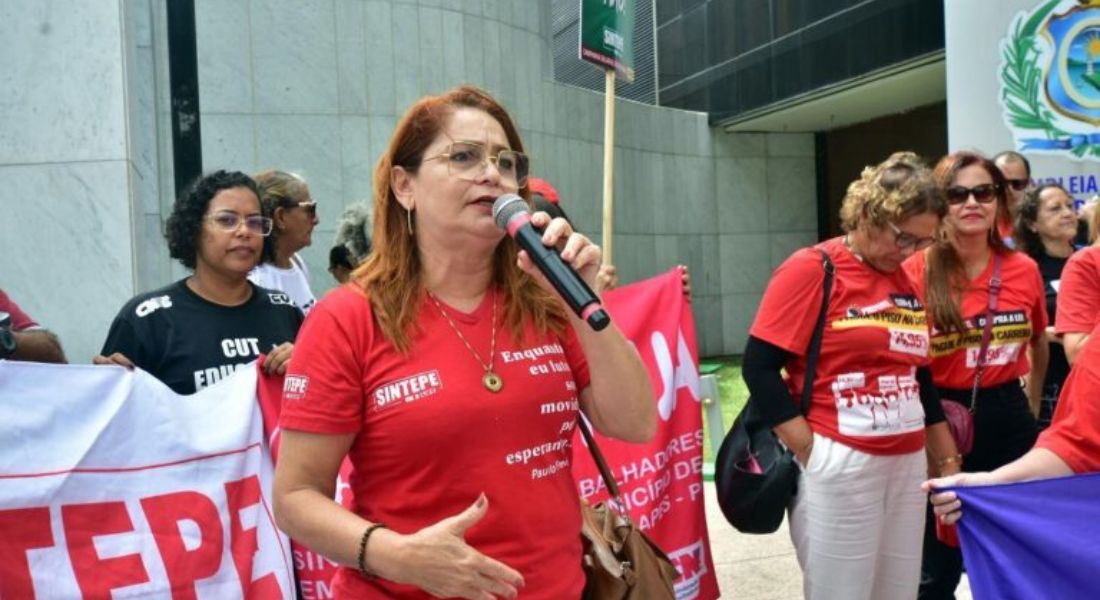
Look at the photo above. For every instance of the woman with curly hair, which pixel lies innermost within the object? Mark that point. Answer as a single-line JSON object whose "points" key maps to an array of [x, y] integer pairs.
{"points": [[857, 518], [1046, 225], [987, 314], [199, 330], [287, 202], [440, 337]]}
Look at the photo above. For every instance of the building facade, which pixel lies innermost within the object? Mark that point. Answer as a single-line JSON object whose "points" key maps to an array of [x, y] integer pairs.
{"points": [[110, 106]]}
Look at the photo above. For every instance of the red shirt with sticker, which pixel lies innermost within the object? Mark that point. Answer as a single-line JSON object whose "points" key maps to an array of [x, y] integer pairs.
{"points": [[1074, 432], [1020, 318], [430, 437], [865, 391], [1079, 292]]}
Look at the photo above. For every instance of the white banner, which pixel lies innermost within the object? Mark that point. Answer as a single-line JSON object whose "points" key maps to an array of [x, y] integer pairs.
{"points": [[111, 485]]}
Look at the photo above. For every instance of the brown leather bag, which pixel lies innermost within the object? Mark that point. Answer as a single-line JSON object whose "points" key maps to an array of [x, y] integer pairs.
{"points": [[620, 562]]}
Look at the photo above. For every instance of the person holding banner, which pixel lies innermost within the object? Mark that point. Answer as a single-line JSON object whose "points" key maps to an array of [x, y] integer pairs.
{"points": [[1046, 226], [21, 338], [453, 379], [857, 519], [199, 330], [1070, 445], [987, 314]]}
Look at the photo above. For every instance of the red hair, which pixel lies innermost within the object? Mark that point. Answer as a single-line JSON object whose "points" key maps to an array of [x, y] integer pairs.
{"points": [[391, 275]]}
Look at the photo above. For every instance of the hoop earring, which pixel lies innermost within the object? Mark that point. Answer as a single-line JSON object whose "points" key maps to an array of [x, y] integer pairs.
{"points": [[409, 221]]}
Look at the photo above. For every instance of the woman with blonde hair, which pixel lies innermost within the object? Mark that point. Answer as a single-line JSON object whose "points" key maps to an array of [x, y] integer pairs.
{"points": [[452, 377], [293, 212], [987, 315], [857, 518]]}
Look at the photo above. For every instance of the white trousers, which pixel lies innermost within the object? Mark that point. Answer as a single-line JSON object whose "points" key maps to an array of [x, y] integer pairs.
{"points": [[857, 523]]}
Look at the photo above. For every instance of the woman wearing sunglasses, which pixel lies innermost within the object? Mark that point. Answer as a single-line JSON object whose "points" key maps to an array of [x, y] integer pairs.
{"points": [[199, 330], [1046, 225], [874, 409], [286, 200], [452, 378], [968, 279]]}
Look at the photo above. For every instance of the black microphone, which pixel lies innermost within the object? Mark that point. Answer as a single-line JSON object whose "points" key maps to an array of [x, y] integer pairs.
{"points": [[512, 215]]}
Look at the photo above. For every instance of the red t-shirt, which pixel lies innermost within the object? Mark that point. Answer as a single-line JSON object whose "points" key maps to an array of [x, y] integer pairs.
{"points": [[865, 392], [1074, 432], [20, 321], [1020, 318], [1079, 292], [430, 437]]}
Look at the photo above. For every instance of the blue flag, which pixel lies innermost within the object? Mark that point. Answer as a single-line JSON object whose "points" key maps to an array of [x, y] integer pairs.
{"points": [[1037, 539]]}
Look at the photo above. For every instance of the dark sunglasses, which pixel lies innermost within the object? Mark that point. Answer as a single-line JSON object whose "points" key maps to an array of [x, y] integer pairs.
{"points": [[1018, 184], [309, 207], [985, 193]]}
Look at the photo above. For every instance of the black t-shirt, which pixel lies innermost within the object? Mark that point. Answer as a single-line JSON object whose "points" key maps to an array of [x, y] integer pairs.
{"points": [[1050, 267], [190, 343]]}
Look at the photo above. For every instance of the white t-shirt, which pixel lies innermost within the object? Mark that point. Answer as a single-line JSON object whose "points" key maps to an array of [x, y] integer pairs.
{"points": [[293, 281]]}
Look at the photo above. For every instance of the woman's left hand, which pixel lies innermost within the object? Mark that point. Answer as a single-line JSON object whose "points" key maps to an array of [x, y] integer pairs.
{"points": [[575, 249], [946, 505], [278, 359]]}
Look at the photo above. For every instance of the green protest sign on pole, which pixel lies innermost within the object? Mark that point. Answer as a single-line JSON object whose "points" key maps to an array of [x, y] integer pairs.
{"points": [[607, 35]]}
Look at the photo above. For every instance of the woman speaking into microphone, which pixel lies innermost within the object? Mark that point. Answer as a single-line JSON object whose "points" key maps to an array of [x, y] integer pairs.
{"points": [[452, 376]]}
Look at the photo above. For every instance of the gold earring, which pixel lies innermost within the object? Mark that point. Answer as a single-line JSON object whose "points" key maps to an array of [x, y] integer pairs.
{"points": [[409, 221]]}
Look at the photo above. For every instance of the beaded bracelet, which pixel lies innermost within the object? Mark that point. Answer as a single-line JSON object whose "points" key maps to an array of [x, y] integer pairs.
{"points": [[363, 549]]}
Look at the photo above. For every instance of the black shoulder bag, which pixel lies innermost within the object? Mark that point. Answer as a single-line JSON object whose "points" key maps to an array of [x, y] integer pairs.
{"points": [[755, 475]]}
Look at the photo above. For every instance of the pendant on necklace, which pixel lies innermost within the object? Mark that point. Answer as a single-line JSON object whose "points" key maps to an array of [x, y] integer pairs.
{"points": [[492, 381]]}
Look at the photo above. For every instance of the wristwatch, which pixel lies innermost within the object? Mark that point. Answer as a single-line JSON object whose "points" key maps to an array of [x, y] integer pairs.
{"points": [[7, 338]]}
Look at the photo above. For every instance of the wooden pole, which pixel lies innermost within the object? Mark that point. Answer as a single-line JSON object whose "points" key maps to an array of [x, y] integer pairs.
{"points": [[608, 163]]}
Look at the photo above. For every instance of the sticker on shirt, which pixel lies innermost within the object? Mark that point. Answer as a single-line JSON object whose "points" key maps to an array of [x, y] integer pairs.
{"points": [[880, 406], [909, 342], [1055, 284], [897, 312], [1010, 328], [995, 356], [406, 390]]}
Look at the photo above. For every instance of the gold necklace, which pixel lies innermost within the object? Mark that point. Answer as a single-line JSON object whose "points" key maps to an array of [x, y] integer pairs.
{"points": [[490, 380]]}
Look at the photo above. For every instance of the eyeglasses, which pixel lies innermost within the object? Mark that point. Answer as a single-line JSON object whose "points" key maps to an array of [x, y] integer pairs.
{"points": [[1018, 184], [905, 241], [985, 193], [310, 207], [231, 221], [466, 161]]}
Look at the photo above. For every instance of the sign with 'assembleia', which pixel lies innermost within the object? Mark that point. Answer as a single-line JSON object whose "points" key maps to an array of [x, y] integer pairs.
{"points": [[1024, 75]]}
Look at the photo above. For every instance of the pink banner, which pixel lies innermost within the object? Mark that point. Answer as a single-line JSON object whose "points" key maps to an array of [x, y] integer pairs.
{"points": [[661, 482]]}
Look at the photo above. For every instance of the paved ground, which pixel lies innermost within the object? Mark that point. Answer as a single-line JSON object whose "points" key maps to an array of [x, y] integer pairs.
{"points": [[759, 567]]}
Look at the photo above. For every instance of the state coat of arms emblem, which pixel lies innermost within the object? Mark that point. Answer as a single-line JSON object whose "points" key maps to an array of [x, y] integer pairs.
{"points": [[1050, 79]]}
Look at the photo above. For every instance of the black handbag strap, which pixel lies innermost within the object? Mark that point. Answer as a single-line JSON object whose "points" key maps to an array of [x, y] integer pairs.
{"points": [[807, 392], [819, 330]]}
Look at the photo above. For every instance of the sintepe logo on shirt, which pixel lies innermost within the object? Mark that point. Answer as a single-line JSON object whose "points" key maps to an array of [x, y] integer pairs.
{"points": [[294, 387], [405, 390]]}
